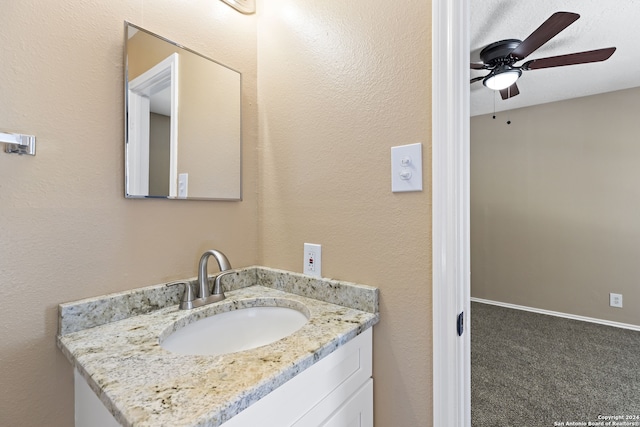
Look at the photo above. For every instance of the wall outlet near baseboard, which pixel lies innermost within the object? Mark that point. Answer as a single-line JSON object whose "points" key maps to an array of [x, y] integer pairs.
{"points": [[615, 300]]}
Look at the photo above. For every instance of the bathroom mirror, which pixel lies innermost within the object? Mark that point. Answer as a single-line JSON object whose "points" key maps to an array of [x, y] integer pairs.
{"points": [[182, 122]]}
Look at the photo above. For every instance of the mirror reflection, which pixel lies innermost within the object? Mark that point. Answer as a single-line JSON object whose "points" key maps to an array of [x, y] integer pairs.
{"points": [[183, 122]]}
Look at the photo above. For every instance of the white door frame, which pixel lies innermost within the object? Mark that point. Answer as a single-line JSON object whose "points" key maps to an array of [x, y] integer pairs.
{"points": [[451, 205], [162, 75]]}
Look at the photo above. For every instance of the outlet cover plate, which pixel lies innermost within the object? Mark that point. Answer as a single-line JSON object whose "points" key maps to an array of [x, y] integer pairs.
{"points": [[615, 300], [312, 259]]}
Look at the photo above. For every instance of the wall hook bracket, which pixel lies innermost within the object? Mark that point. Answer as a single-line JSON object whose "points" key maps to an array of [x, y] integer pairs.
{"points": [[17, 143]]}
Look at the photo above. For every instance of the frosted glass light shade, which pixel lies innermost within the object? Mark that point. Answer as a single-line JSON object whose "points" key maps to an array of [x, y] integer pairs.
{"points": [[502, 79]]}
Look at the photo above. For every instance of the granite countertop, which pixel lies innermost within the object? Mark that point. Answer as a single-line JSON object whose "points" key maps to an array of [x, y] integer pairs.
{"points": [[114, 343]]}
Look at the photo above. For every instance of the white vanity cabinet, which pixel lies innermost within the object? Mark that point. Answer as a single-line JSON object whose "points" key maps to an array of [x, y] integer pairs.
{"points": [[337, 391], [89, 410]]}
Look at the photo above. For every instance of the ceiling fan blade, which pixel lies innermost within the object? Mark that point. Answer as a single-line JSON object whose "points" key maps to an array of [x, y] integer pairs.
{"points": [[478, 66], [570, 59], [545, 32], [477, 79], [510, 92]]}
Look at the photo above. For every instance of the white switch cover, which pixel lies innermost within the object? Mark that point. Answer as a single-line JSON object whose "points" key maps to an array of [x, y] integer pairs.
{"points": [[406, 168], [183, 185], [312, 259]]}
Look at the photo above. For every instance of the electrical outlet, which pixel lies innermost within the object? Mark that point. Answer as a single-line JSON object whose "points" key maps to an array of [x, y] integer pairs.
{"points": [[312, 259], [615, 300]]}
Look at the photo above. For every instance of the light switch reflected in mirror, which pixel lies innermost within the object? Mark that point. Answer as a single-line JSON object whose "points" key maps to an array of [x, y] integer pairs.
{"points": [[183, 122]]}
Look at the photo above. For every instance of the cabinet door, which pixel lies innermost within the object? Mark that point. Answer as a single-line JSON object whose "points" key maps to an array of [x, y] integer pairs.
{"points": [[356, 411], [89, 410]]}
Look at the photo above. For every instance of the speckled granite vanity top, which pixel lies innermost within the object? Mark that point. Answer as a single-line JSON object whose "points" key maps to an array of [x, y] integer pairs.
{"points": [[113, 341]]}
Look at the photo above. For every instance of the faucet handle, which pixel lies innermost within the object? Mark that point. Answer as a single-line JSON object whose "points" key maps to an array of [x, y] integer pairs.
{"points": [[188, 296], [189, 293], [217, 285]]}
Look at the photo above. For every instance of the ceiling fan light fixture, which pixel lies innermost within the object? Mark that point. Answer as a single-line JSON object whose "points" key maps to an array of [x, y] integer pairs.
{"points": [[502, 77]]}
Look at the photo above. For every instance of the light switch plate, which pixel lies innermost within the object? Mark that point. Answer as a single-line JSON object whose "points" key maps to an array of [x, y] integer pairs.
{"points": [[183, 185], [406, 168]]}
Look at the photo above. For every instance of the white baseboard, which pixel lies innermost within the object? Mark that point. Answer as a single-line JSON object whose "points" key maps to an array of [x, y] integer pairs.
{"points": [[558, 314]]}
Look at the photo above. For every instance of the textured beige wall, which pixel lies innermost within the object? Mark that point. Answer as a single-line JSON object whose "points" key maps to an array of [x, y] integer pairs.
{"points": [[159, 154], [209, 118], [555, 206], [67, 231], [144, 51], [340, 83]]}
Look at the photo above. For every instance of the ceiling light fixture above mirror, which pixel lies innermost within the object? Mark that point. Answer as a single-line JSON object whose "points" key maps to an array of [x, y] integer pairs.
{"points": [[243, 6]]}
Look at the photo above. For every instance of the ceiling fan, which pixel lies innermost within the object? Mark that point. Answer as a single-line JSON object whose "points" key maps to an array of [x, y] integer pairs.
{"points": [[500, 57]]}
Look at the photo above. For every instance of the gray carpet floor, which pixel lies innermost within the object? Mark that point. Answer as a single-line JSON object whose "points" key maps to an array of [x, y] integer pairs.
{"points": [[533, 370]]}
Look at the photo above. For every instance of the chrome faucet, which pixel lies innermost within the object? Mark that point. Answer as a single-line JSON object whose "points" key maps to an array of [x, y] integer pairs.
{"points": [[204, 296], [203, 277]]}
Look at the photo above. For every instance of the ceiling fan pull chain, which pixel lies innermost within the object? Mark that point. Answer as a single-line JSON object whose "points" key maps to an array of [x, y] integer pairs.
{"points": [[494, 104]]}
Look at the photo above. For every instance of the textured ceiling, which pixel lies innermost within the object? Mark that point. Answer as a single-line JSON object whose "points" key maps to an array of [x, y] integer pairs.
{"points": [[602, 24]]}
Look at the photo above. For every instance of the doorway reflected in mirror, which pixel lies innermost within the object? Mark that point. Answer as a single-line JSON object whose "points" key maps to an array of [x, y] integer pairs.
{"points": [[183, 122]]}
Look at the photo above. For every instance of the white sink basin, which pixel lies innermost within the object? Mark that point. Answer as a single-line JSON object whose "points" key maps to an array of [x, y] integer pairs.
{"points": [[236, 330]]}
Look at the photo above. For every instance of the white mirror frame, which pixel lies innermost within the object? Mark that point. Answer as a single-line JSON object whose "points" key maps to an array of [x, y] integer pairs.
{"points": [[162, 75]]}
